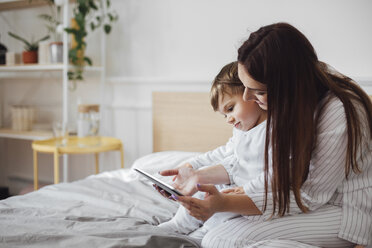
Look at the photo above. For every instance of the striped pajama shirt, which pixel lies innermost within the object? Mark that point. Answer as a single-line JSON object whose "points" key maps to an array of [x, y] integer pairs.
{"points": [[340, 209], [315, 229]]}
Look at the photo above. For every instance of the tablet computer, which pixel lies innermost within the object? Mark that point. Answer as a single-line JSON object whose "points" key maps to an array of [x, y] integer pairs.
{"points": [[166, 187]]}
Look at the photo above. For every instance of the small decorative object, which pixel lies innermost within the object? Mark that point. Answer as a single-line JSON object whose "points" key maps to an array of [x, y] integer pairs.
{"points": [[31, 48], [13, 58], [56, 52], [88, 124], [43, 52], [10, 58], [3, 51], [22, 117], [86, 12]]}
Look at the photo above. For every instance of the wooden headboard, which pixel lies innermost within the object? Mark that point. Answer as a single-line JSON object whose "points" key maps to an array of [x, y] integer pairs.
{"points": [[185, 121]]}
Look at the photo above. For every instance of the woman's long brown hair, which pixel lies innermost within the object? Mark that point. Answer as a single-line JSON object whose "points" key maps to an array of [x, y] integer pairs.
{"points": [[283, 59]]}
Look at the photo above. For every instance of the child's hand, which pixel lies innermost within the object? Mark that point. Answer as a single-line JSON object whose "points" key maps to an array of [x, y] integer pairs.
{"points": [[185, 178], [174, 172], [236, 190]]}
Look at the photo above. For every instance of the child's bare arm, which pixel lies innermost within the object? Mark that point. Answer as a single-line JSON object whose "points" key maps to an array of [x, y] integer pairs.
{"points": [[185, 178]]}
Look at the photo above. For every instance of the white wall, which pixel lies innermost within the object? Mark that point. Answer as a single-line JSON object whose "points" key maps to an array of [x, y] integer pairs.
{"points": [[183, 44], [174, 45], [192, 39]]}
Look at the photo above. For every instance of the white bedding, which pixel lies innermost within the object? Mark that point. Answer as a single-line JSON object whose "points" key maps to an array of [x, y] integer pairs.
{"points": [[111, 209]]}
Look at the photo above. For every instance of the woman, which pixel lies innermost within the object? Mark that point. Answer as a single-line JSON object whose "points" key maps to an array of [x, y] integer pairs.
{"points": [[317, 184]]}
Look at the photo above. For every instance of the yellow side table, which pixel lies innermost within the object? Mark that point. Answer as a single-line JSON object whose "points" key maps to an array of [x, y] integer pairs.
{"points": [[72, 145]]}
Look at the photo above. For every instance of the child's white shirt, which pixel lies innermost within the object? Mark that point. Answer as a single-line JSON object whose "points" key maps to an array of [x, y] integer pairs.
{"points": [[242, 156], [243, 159]]}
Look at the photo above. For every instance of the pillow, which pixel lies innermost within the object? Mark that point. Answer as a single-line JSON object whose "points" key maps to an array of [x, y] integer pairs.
{"points": [[151, 163]]}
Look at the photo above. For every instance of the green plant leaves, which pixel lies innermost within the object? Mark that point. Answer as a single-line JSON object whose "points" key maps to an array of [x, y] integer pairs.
{"points": [[88, 60], [29, 46], [93, 5], [107, 28], [92, 13], [42, 39]]}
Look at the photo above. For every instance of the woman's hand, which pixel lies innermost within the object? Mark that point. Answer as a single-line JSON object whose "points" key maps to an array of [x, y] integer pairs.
{"points": [[203, 209], [215, 201], [236, 190], [185, 179]]}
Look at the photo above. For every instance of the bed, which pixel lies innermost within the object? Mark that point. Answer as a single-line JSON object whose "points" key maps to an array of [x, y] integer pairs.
{"points": [[118, 208]]}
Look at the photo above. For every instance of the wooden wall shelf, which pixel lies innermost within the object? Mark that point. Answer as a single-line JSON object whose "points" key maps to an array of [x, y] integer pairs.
{"points": [[21, 4], [25, 135]]}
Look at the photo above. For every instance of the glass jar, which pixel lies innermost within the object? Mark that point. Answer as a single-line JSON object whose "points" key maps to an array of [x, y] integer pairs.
{"points": [[88, 124]]}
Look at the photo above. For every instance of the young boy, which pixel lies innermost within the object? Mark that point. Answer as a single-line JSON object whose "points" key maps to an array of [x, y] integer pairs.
{"points": [[236, 163]]}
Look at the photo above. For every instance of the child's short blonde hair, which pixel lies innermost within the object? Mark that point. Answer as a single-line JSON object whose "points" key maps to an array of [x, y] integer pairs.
{"points": [[226, 82]]}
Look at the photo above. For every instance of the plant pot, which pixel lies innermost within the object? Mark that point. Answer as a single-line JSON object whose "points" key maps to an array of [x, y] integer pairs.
{"points": [[56, 52], [29, 57]]}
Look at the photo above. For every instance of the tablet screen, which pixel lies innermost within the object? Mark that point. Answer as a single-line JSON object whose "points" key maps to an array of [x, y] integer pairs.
{"points": [[168, 188]]}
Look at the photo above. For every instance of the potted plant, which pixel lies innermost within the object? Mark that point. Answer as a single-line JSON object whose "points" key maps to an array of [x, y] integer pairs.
{"points": [[94, 14], [31, 48], [55, 29]]}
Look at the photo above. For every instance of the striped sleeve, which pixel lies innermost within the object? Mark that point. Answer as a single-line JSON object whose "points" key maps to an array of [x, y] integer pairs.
{"points": [[356, 224], [326, 171]]}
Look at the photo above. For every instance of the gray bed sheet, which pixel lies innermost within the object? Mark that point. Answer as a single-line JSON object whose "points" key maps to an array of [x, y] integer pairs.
{"points": [[116, 209]]}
